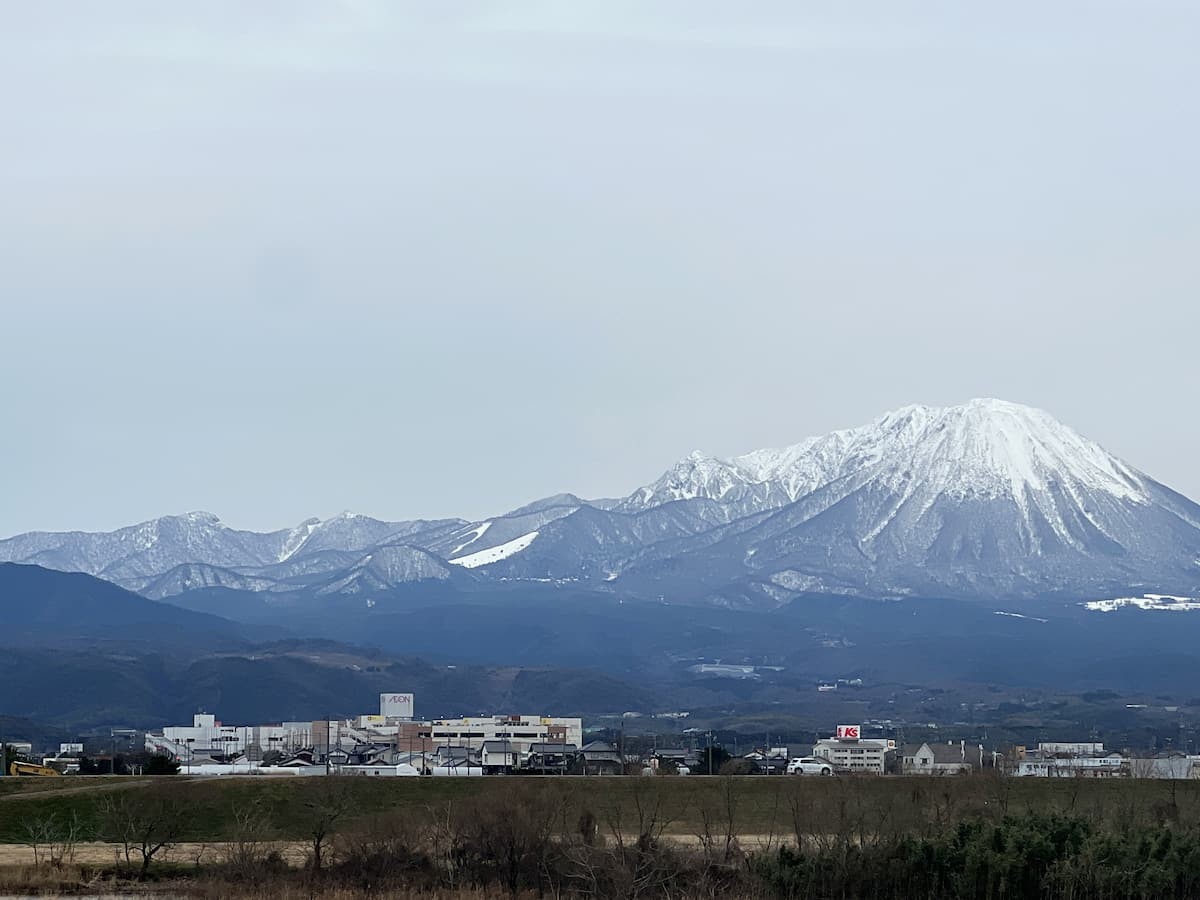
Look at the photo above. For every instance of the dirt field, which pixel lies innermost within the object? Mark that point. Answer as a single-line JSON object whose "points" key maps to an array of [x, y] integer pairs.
{"points": [[102, 854], [295, 852]]}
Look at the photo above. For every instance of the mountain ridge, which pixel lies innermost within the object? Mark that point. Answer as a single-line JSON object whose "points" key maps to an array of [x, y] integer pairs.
{"points": [[987, 498]]}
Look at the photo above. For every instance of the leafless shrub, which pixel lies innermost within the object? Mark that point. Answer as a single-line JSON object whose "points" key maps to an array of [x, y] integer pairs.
{"points": [[719, 828], [245, 854], [53, 840], [37, 836], [383, 851], [144, 822], [508, 835], [636, 863]]}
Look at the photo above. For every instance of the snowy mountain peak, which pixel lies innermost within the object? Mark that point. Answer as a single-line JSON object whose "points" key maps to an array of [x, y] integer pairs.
{"points": [[993, 447], [984, 447], [697, 475], [199, 517]]}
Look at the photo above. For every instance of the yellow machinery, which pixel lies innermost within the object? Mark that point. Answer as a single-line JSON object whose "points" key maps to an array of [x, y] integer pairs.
{"points": [[24, 768]]}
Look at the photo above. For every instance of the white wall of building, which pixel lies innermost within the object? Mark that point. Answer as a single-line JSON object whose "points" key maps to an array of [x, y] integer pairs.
{"points": [[206, 736], [519, 731], [858, 756]]}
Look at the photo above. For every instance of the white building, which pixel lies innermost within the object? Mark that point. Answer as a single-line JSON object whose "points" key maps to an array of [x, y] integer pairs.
{"points": [[399, 771], [519, 732], [206, 736], [1074, 766], [855, 753], [1071, 748], [508, 739]]}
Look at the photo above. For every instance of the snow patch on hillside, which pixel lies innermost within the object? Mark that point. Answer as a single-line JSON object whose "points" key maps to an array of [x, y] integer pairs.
{"points": [[495, 554], [1146, 601], [296, 538], [1013, 615], [475, 534]]}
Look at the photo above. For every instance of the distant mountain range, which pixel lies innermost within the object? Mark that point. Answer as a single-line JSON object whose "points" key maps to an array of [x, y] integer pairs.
{"points": [[78, 651], [980, 501], [984, 525]]}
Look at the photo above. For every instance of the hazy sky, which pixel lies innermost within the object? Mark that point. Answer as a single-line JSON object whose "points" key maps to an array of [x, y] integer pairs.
{"points": [[441, 258]]}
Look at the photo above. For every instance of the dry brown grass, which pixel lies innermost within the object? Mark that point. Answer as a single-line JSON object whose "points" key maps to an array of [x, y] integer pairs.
{"points": [[96, 853]]}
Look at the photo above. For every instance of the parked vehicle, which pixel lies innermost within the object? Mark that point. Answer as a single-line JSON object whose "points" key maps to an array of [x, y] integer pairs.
{"points": [[810, 765]]}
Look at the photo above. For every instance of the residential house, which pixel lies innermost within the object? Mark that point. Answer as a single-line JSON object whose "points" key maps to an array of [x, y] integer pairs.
{"points": [[601, 758], [499, 756], [551, 758], [937, 759]]}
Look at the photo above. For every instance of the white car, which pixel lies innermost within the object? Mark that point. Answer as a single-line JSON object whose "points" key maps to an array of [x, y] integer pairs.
{"points": [[810, 765]]}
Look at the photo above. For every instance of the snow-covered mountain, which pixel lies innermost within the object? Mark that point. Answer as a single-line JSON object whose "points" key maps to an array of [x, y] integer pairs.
{"points": [[197, 550], [980, 500], [984, 446], [988, 498]]}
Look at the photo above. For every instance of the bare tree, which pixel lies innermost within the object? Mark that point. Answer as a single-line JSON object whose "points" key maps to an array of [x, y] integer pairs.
{"points": [[446, 840], [771, 837], [718, 834], [53, 840], [634, 869], [65, 838], [145, 822], [246, 852], [37, 836], [999, 788], [330, 803], [1141, 767], [807, 826]]}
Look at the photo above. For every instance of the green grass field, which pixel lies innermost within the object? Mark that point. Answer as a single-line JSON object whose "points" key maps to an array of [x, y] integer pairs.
{"points": [[754, 805], [10, 786]]}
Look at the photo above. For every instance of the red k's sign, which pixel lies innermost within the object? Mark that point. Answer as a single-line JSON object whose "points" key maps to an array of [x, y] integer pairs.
{"points": [[847, 732]]}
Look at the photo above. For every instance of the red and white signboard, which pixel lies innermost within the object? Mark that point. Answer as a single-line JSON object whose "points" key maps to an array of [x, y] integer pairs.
{"points": [[848, 732]]}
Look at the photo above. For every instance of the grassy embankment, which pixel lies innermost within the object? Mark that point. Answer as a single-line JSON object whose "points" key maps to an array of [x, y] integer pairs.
{"points": [[757, 806]]}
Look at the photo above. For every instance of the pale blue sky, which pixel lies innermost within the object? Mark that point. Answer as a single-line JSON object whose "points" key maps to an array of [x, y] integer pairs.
{"points": [[280, 260]]}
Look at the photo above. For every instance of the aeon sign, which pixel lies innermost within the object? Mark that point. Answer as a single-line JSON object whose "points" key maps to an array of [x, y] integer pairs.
{"points": [[396, 706]]}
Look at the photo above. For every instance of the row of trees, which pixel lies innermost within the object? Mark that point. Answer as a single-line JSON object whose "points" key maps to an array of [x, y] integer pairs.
{"points": [[130, 764]]}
